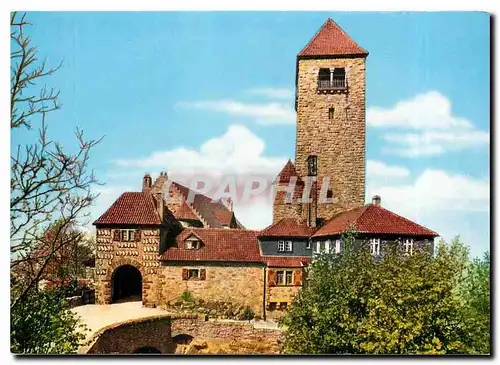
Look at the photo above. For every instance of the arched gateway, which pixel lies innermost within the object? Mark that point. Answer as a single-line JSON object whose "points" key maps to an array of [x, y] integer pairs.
{"points": [[126, 284]]}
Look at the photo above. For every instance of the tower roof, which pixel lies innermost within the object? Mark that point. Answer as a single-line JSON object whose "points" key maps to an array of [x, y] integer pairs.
{"points": [[331, 40]]}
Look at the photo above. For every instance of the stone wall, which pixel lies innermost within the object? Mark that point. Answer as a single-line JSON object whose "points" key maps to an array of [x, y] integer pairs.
{"points": [[339, 142], [157, 332], [236, 283], [128, 337], [142, 254], [224, 330]]}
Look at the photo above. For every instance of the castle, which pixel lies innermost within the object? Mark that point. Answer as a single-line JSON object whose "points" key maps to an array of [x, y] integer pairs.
{"points": [[156, 248]]}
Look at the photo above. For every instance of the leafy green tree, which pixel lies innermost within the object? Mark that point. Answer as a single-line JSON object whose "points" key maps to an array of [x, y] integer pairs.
{"points": [[43, 324], [399, 304], [51, 187], [475, 292]]}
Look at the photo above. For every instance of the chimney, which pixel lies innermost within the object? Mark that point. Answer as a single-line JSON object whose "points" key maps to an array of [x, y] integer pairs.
{"points": [[146, 183], [377, 201]]}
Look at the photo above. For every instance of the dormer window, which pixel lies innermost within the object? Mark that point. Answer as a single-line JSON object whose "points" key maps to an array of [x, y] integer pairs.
{"points": [[192, 243], [331, 78]]}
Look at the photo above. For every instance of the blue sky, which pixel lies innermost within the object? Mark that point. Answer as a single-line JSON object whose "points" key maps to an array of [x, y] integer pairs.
{"points": [[187, 89]]}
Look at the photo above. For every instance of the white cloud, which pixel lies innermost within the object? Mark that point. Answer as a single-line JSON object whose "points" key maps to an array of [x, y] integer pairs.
{"points": [[434, 143], [238, 151], [380, 169], [264, 113], [273, 93], [435, 130], [449, 204], [435, 190], [425, 111]]}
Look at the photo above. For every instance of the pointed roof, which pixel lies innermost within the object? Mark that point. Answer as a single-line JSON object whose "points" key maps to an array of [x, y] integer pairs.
{"points": [[131, 208], [373, 219], [185, 212], [287, 172], [331, 40], [214, 213]]}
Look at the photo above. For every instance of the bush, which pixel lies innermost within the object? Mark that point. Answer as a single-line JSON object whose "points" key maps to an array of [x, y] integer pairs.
{"points": [[397, 305], [247, 315], [43, 324], [187, 296]]}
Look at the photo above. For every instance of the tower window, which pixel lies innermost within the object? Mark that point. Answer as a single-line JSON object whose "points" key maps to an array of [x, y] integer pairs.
{"points": [[331, 112], [312, 165], [331, 78]]}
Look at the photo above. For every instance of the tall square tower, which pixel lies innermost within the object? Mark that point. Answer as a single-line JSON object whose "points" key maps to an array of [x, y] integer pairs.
{"points": [[330, 105]]}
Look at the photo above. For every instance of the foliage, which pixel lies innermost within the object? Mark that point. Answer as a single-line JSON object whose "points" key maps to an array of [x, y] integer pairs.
{"points": [[475, 292], [399, 304], [248, 314], [50, 187], [187, 296], [43, 324], [50, 192]]}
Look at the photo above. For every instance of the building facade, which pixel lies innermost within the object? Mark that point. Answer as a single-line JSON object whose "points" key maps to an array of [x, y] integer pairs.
{"points": [[166, 240]]}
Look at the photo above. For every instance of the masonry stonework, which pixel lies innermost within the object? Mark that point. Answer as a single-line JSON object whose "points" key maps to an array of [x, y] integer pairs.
{"points": [[142, 254], [238, 284], [339, 142]]}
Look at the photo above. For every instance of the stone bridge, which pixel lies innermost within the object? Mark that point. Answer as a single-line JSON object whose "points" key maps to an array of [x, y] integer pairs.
{"points": [[157, 331]]}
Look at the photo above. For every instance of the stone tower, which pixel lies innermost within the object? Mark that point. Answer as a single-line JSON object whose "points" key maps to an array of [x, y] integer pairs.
{"points": [[330, 105]]}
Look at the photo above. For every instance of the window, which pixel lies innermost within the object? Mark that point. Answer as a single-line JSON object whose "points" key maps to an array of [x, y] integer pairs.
{"points": [[281, 245], [272, 306], [127, 235], [312, 165], [192, 244], [288, 246], [194, 274], [283, 306], [375, 246], [322, 246], [337, 246], [331, 113], [284, 277], [408, 246], [331, 79]]}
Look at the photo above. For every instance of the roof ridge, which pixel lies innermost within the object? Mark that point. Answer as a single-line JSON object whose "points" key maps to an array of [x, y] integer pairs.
{"points": [[332, 40]]}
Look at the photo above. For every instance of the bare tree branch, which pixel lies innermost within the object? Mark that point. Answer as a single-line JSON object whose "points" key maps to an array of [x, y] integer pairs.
{"points": [[50, 187]]}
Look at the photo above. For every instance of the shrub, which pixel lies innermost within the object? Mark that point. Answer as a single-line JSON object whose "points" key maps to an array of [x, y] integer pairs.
{"points": [[187, 296], [248, 314]]}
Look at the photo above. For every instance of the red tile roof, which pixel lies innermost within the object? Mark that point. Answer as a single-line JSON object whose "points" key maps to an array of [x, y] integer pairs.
{"points": [[131, 208], [375, 220], [287, 227], [219, 244], [331, 40], [214, 213], [287, 172], [289, 261], [185, 212]]}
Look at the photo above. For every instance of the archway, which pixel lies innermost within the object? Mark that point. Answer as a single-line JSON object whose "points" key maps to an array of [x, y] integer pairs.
{"points": [[182, 339], [147, 350], [126, 284]]}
